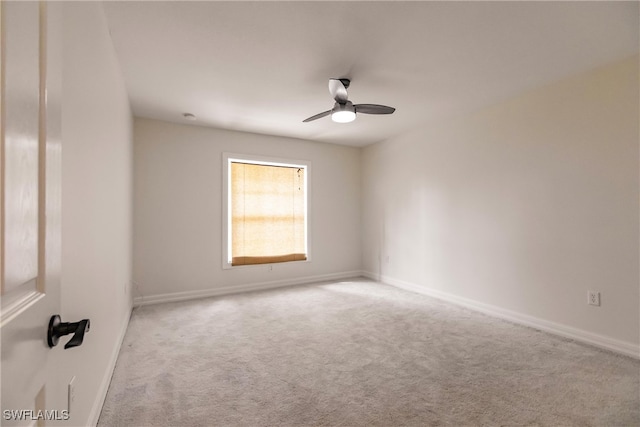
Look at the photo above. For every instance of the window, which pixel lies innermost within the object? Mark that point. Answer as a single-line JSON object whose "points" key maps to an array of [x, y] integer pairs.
{"points": [[266, 210]]}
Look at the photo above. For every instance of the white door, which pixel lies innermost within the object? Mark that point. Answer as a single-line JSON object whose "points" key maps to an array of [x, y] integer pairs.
{"points": [[30, 150]]}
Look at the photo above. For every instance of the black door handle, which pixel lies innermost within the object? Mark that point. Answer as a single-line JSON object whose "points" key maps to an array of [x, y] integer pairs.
{"points": [[58, 329]]}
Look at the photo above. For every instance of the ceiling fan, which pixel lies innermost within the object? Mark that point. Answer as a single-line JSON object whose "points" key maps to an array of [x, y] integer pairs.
{"points": [[344, 111]]}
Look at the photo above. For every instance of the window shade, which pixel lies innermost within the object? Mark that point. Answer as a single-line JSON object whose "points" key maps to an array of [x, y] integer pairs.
{"points": [[267, 214]]}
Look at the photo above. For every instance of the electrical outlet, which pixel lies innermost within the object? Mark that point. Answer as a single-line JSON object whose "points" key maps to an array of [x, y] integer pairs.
{"points": [[593, 298], [71, 398]]}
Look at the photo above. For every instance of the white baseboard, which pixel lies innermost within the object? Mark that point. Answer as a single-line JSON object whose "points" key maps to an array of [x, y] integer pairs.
{"points": [[618, 346], [94, 415], [213, 292]]}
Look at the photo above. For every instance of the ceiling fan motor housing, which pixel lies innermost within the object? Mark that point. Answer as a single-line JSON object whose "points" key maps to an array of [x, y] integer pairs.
{"points": [[347, 106], [343, 113]]}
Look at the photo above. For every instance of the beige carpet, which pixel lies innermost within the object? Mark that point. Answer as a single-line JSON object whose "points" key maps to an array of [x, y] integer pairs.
{"points": [[357, 353]]}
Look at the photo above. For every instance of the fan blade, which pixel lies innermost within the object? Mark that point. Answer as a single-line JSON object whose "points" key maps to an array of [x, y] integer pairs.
{"points": [[374, 109], [338, 91], [317, 116]]}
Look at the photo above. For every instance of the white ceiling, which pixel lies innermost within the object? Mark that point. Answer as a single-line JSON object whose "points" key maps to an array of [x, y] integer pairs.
{"points": [[264, 66]]}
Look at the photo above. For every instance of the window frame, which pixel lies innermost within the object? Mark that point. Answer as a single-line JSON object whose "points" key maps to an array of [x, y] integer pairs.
{"points": [[227, 159]]}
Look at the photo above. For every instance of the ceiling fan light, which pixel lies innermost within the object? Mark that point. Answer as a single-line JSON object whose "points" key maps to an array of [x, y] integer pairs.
{"points": [[343, 113], [344, 116]]}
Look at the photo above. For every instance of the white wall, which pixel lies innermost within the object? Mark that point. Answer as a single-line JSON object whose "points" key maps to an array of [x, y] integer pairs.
{"points": [[522, 206], [96, 204], [178, 209]]}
